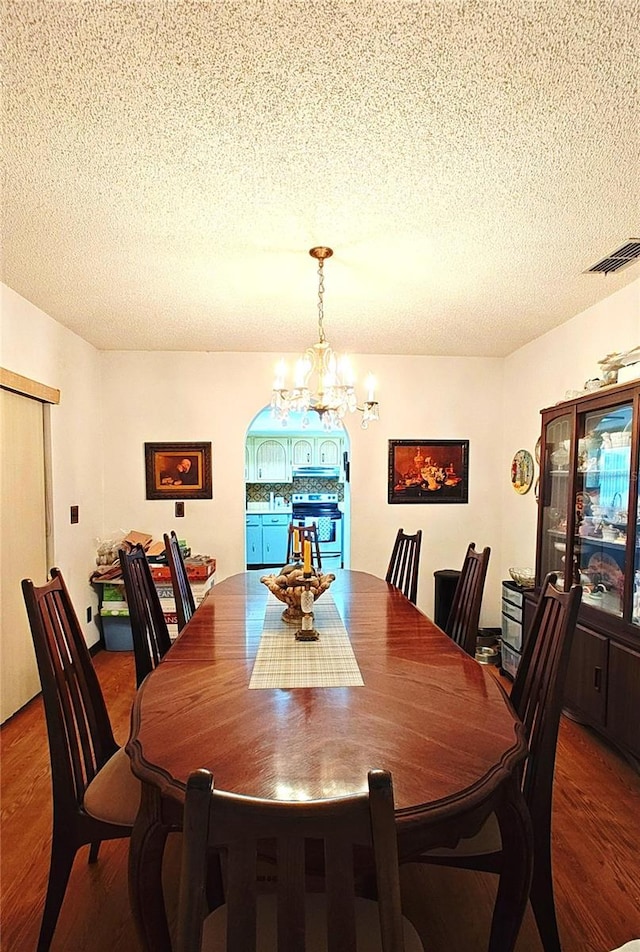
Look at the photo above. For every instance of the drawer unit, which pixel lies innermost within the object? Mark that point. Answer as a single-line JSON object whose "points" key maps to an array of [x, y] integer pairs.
{"points": [[513, 595], [274, 519], [509, 660], [512, 631], [512, 615]]}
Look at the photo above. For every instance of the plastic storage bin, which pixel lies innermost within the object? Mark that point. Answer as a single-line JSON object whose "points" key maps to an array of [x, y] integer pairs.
{"points": [[509, 660], [116, 631]]}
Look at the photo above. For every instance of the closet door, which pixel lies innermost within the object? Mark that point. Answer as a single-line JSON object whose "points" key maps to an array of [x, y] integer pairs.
{"points": [[22, 542]]}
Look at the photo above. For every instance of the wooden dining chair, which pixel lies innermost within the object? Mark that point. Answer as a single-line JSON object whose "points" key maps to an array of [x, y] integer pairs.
{"points": [[537, 696], [291, 919], [151, 639], [309, 533], [464, 616], [182, 594], [95, 794], [404, 564]]}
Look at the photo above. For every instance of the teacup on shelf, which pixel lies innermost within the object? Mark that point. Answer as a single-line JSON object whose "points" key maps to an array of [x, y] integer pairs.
{"points": [[610, 534]]}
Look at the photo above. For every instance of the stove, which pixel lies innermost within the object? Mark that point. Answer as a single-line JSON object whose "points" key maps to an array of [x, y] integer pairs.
{"points": [[315, 504], [323, 509]]}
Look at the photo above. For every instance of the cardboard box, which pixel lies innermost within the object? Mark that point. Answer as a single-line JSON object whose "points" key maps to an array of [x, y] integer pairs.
{"points": [[197, 570]]}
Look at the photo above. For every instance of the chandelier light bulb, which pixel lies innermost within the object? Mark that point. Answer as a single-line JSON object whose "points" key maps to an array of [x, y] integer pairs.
{"points": [[281, 375]]}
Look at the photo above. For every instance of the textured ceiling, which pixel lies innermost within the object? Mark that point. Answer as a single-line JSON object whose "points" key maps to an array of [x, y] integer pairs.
{"points": [[169, 164]]}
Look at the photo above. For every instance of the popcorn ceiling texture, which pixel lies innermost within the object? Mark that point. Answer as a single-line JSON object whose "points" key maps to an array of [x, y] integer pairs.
{"points": [[169, 164]]}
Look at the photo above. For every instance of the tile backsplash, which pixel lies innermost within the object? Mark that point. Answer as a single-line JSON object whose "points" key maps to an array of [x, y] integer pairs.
{"points": [[261, 492]]}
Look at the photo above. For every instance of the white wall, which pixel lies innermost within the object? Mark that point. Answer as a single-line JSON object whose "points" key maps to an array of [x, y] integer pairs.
{"points": [[167, 397], [215, 396], [112, 402], [537, 376], [36, 346]]}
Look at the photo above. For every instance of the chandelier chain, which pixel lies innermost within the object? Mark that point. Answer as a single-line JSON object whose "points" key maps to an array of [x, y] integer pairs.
{"points": [[320, 300]]}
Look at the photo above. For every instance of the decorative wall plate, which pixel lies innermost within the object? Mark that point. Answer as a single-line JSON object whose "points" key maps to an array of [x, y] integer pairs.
{"points": [[522, 471]]}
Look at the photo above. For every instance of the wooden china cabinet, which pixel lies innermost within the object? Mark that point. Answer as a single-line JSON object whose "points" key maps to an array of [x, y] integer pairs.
{"points": [[589, 532]]}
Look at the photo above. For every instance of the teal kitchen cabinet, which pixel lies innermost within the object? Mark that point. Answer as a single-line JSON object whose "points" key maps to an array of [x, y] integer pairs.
{"points": [[254, 540], [275, 530]]}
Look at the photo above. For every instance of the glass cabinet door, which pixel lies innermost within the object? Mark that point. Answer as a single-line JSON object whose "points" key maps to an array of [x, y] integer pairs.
{"points": [[635, 613], [555, 498], [603, 475]]}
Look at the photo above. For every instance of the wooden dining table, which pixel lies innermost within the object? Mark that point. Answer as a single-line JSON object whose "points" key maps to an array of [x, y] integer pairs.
{"points": [[426, 711]]}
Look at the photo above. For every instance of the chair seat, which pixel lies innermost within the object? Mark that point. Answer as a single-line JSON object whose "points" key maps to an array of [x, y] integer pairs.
{"points": [[114, 793], [367, 925]]}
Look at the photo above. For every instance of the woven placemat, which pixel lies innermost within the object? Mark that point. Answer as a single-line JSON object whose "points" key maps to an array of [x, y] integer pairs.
{"points": [[283, 662]]}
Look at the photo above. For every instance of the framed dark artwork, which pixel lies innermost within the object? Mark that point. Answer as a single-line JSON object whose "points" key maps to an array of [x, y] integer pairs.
{"points": [[178, 470], [428, 471]]}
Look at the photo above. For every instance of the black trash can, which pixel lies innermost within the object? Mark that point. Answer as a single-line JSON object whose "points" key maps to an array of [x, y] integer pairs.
{"points": [[446, 581]]}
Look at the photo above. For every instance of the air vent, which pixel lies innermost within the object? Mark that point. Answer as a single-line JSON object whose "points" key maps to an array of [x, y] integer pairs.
{"points": [[618, 259]]}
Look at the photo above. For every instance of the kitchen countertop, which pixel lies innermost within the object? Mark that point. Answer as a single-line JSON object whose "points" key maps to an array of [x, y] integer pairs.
{"points": [[264, 508]]}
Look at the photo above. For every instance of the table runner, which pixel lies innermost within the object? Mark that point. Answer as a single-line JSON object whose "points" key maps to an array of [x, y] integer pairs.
{"points": [[283, 662]]}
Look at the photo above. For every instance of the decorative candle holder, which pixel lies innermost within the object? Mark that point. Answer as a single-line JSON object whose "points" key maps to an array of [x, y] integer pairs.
{"points": [[307, 632]]}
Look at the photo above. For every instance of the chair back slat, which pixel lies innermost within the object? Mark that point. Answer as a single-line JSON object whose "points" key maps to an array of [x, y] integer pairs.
{"points": [[80, 735], [291, 892], [238, 827], [151, 639], [307, 533], [464, 615], [537, 692], [240, 894], [182, 593], [404, 564]]}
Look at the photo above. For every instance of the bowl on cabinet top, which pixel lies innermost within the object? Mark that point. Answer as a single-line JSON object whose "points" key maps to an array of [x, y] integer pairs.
{"points": [[524, 577]]}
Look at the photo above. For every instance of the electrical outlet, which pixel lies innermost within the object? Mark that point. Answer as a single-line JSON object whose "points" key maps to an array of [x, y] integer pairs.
{"points": [[179, 510], [89, 613], [75, 515]]}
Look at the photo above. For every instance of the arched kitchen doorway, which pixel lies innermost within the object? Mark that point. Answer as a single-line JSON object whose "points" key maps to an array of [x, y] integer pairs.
{"points": [[296, 471]]}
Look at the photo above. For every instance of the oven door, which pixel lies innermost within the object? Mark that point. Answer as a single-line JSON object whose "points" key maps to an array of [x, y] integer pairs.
{"points": [[329, 536]]}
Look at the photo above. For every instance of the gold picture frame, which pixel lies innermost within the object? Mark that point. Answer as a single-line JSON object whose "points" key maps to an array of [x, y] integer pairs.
{"points": [[178, 470]]}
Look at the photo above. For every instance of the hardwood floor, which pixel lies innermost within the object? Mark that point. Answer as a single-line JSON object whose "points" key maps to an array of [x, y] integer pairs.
{"points": [[596, 851]]}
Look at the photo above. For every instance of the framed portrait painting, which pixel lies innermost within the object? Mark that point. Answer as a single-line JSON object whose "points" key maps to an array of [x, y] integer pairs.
{"points": [[428, 471], [178, 470]]}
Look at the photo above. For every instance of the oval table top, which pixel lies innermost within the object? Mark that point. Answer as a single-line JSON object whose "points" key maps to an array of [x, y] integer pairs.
{"points": [[427, 712]]}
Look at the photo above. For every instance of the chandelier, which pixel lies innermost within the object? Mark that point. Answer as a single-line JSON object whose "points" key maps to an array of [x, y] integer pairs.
{"points": [[322, 382]]}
